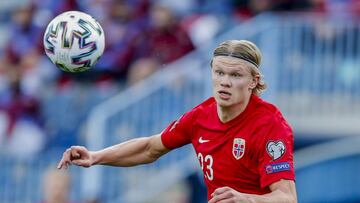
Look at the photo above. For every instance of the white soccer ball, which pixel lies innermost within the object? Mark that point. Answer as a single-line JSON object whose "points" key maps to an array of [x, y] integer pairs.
{"points": [[74, 41]]}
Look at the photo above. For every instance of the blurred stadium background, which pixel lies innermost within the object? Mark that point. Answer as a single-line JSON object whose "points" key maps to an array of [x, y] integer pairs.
{"points": [[155, 67]]}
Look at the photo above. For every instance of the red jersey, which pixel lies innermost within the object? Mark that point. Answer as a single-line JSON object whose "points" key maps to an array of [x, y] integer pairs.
{"points": [[248, 153]]}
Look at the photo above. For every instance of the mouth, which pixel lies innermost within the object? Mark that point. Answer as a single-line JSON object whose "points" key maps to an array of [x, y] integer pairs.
{"points": [[224, 94]]}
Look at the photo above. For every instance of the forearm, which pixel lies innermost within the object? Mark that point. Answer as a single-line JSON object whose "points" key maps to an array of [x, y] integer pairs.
{"points": [[276, 196], [129, 153]]}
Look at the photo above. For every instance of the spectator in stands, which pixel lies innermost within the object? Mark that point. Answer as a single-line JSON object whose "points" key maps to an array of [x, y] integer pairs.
{"points": [[25, 136], [22, 51], [164, 38], [132, 34], [245, 9], [243, 143], [56, 7], [56, 186], [19, 98], [122, 28]]}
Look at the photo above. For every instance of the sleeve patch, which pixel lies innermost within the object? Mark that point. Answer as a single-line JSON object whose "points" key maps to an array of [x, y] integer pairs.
{"points": [[278, 167]]}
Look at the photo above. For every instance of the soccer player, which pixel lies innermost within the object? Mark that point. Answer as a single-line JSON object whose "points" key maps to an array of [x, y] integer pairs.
{"points": [[243, 143]]}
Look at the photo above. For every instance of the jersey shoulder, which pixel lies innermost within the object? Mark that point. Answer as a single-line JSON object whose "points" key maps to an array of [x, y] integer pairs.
{"points": [[200, 110], [268, 113], [205, 106], [265, 107], [270, 125]]}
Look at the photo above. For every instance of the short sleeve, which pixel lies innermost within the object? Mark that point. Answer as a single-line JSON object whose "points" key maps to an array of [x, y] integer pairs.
{"points": [[276, 152], [178, 133]]}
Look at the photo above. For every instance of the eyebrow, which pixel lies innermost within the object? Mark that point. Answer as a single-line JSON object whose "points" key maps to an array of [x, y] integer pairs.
{"points": [[220, 67]]}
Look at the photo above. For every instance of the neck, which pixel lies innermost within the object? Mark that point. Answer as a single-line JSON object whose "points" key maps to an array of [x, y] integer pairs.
{"points": [[228, 113]]}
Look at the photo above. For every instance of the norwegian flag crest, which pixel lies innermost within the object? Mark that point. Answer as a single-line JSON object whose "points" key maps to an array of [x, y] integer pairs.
{"points": [[238, 150]]}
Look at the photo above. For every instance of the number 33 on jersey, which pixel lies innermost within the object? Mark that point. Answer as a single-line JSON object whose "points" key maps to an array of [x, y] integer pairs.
{"points": [[206, 162]]}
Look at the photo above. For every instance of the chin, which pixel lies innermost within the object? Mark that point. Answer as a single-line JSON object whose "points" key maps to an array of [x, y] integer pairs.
{"points": [[222, 103]]}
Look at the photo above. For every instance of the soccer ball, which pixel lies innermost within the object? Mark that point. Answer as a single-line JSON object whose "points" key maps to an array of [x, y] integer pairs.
{"points": [[74, 41]]}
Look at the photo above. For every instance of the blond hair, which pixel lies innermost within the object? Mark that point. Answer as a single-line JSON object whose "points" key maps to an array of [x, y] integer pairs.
{"points": [[247, 51]]}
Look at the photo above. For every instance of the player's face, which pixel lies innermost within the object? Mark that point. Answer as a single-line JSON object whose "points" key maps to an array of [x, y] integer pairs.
{"points": [[232, 81]]}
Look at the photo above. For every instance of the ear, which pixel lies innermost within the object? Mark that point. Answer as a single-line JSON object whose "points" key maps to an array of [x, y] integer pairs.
{"points": [[254, 82]]}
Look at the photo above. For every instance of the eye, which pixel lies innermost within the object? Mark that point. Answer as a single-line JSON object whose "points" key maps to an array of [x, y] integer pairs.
{"points": [[236, 75], [219, 72]]}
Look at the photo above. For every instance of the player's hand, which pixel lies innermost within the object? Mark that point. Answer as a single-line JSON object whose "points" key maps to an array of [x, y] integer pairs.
{"points": [[229, 195], [76, 155]]}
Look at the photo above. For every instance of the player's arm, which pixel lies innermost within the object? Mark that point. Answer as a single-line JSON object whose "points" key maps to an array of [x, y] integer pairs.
{"points": [[283, 191], [130, 153]]}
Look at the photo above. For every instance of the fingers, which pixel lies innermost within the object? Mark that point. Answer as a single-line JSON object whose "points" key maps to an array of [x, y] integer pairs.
{"points": [[74, 154], [221, 195], [65, 160], [81, 162], [227, 201], [227, 195], [71, 154], [220, 190]]}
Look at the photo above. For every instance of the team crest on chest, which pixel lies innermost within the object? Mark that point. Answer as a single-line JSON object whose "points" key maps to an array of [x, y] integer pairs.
{"points": [[238, 149]]}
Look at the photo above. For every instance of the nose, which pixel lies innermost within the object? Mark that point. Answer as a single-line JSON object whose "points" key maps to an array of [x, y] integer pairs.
{"points": [[225, 81]]}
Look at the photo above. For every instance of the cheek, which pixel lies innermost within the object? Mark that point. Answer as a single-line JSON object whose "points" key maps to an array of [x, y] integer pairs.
{"points": [[243, 84], [215, 80], [243, 87], [248, 83]]}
